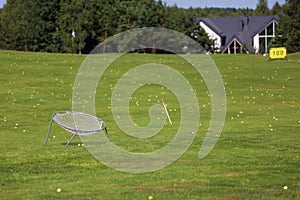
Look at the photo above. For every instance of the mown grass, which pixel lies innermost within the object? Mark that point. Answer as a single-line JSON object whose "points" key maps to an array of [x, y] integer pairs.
{"points": [[256, 155]]}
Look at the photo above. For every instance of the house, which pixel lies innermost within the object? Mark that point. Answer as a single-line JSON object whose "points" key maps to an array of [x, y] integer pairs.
{"points": [[234, 35]]}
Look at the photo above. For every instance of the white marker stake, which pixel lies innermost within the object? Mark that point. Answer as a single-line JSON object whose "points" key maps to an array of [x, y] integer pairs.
{"points": [[166, 111]]}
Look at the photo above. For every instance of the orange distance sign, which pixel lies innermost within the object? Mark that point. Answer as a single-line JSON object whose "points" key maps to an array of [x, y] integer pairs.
{"points": [[277, 53]]}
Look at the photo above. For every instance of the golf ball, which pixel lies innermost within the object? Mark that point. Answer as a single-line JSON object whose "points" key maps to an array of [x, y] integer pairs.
{"points": [[285, 187], [150, 198], [58, 190]]}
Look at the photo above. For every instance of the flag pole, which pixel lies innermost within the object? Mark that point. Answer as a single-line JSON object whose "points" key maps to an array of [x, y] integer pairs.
{"points": [[167, 113], [73, 34]]}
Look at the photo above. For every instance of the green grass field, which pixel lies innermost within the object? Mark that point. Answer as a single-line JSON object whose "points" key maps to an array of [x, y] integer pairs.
{"points": [[255, 157]]}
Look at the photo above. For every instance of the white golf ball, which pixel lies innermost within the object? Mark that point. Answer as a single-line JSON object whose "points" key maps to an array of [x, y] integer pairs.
{"points": [[58, 190], [285, 187]]}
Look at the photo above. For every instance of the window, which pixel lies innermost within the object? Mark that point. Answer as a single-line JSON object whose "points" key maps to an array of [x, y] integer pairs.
{"points": [[234, 47], [270, 29], [263, 33], [266, 36]]}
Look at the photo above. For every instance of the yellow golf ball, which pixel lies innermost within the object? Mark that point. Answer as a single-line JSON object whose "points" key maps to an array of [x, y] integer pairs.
{"points": [[150, 198]]}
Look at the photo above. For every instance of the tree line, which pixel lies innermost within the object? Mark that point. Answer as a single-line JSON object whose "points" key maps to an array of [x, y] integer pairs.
{"points": [[35, 25]]}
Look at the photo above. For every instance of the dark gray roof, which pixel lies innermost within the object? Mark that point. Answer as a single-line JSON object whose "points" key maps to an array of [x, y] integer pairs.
{"points": [[242, 28]]}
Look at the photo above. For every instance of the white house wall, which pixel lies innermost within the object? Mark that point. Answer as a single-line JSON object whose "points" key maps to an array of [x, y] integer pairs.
{"points": [[256, 43], [212, 35]]}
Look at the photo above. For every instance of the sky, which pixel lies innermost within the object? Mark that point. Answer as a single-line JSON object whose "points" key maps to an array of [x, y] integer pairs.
{"points": [[2, 2], [220, 3], [210, 3]]}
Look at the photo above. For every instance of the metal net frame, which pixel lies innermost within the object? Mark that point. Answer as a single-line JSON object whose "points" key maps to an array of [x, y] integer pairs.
{"points": [[77, 123]]}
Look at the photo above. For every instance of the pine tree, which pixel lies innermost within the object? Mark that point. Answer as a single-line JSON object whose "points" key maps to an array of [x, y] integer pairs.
{"points": [[199, 35], [289, 28], [276, 9], [262, 8]]}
